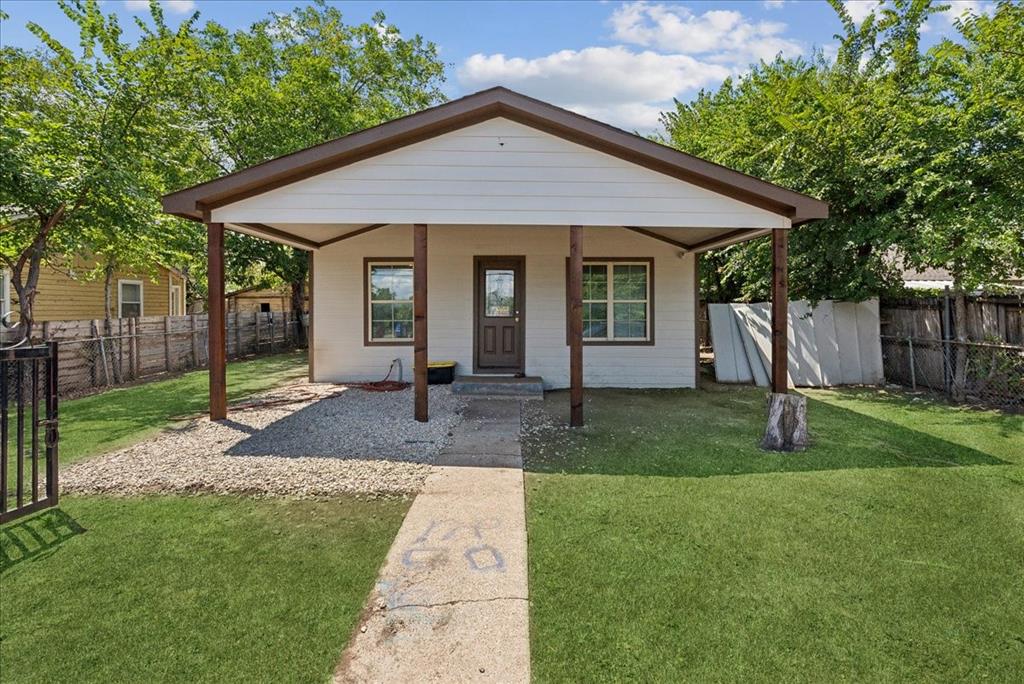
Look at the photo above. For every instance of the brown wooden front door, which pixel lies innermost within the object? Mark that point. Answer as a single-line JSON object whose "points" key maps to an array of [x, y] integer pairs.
{"points": [[500, 314]]}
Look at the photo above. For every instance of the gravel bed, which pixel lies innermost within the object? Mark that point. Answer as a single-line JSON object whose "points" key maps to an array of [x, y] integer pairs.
{"points": [[306, 440]]}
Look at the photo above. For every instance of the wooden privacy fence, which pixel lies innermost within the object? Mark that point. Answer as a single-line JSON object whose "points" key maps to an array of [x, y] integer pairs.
{"points": [[989, 319], [920, 349], [97, 354]]}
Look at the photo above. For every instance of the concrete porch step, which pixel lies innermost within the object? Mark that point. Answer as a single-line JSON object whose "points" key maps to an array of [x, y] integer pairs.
{"points": [[499, 386]]}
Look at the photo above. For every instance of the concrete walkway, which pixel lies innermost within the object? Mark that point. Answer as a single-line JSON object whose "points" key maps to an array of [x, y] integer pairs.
{"points": [[451, 601]]}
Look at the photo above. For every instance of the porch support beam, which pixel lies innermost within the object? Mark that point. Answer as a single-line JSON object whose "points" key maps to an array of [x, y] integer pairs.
{"points": [[730, 238], [419, 298], [354, 233], [576, 326], [657, 236], [262, 229], [310, 346], [217, 332], [780, 311], [787, 413]]}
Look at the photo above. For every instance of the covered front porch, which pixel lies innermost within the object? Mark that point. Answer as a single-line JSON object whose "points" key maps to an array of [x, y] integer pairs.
{"points": [[499, 187], [548, 287]]}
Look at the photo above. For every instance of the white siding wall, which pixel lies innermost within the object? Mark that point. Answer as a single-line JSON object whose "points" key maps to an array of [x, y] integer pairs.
{"points": [[498, 172], [340, 354]]}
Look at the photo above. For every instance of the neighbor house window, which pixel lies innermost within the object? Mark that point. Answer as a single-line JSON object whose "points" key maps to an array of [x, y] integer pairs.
{"points": [[129, 298], [617, 301], [175, 306], [389, 301], [5, 292]]}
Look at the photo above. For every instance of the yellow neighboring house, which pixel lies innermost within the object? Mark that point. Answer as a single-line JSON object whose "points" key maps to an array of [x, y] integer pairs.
{"points": [[63, 297]]}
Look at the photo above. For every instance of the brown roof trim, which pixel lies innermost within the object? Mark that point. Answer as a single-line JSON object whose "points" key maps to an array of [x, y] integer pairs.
{"points": [[481, 106], [283, 235], [358, 231], [657, 236], [730, 238]]}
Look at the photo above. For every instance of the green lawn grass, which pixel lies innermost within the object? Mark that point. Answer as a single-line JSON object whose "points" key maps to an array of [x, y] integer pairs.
{"points": [[665, 546], [119, 417], [173, 589]]}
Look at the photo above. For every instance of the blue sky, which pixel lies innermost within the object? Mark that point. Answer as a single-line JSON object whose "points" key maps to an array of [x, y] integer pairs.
{"points": [[621, 62]]}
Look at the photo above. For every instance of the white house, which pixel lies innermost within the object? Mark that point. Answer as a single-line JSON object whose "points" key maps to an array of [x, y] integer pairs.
{"points": [[500, 232]]}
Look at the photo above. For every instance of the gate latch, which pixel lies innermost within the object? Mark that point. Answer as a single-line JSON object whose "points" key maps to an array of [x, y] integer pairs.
{"points": [[51, 430]]}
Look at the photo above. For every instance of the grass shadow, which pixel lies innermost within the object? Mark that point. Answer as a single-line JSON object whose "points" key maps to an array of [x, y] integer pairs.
{"points": [[36, 537], [715, 431]]}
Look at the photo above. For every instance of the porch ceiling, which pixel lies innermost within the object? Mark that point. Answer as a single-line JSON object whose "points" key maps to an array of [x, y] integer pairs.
{"points": [[316, 235]]}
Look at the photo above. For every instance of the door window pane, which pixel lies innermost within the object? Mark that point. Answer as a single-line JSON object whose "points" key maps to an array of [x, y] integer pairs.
{"points": [[499, 293]]}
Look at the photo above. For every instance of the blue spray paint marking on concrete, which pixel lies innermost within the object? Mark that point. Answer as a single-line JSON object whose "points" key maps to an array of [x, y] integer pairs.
{"points": [[485, 557], [419, 558], [480, 558]]}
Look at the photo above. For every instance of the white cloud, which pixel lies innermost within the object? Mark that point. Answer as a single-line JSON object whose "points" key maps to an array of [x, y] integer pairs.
{"points": [[593, 75], [615, 84], [773, 4], [728, 34], [860, 9], [961, 9], [664, 52], [177, 6]]}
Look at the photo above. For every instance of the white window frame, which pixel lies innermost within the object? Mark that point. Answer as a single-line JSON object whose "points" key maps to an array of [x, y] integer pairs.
{"points": [[175, 298], [5, 292], [120, 299], [370, 301], [610, 302]]}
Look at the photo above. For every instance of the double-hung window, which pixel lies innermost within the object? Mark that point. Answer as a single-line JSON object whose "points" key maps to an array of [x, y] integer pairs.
{"points": [[389, 290], [5, 292], [174, 305], [617, 301], [129, 298]]}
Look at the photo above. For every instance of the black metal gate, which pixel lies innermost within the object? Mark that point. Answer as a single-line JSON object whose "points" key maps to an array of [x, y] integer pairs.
{"points": [[28, 432]]}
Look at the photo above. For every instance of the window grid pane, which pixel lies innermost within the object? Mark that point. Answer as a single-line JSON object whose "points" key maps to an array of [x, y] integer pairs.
{"points": [[130, 293], [615, 307], [595, 301], [629, 305], [391, 310]]}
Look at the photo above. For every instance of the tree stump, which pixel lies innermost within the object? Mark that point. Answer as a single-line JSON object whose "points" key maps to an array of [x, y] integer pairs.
{"points": [[787, 423]]}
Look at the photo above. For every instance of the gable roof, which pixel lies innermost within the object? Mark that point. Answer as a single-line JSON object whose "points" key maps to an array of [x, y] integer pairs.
{"points": [[193, 202]]}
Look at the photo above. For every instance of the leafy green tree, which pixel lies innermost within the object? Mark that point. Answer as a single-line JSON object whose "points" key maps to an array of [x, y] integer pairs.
{"points": [[291, 81], [80, 139], [969, 192], [918, 154]]}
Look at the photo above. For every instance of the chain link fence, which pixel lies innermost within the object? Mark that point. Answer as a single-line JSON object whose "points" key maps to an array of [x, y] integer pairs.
{"points": [[985, 373], [97, 355]]}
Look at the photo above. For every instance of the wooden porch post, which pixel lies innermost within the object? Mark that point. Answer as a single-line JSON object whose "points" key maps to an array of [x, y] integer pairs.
{"points": [[216, 323], [780, 311], [787, 413], [419, 297], [575, 326], [697, 321], [309, 328]]}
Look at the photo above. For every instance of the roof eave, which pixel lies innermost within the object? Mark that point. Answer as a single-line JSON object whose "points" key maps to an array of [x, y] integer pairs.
{"points": [[193, 202]]}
